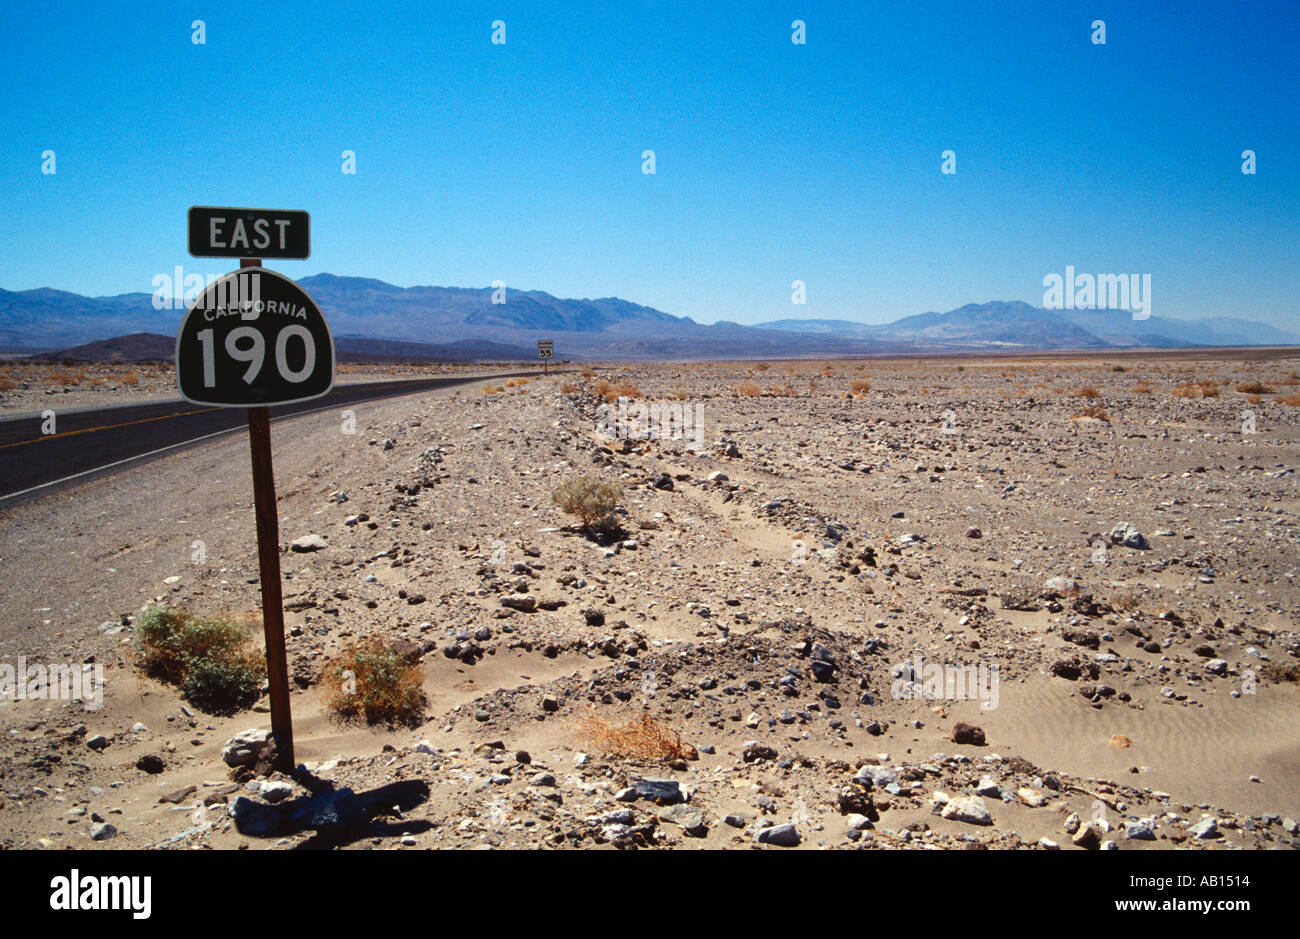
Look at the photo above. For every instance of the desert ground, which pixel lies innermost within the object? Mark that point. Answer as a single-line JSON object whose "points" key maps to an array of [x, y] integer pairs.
{"points": [[31, 387], [741, 659]]}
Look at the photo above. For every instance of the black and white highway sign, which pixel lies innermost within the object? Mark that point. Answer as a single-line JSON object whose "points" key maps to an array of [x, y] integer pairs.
{"points": [[252, 338], [544, 348], [249, 233]]}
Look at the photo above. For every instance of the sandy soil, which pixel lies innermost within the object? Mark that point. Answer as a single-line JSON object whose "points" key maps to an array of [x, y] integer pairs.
{"points": [[765, 599]]}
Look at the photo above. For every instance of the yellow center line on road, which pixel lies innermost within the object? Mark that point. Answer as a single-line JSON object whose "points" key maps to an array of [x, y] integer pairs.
{"points": [[87, 430], [163, 417]]}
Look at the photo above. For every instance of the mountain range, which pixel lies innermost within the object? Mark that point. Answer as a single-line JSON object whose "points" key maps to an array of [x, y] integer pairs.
{"points": [[373, 318]]}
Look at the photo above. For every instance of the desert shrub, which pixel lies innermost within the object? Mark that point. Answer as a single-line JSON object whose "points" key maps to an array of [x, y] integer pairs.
{"points": [[762, 366], [611, 392], [681, 394], [1291, 401], [639, 738], [860, 385], [218, 685], [372, 681], [1094, 411], [131, 378], [569, 388], [1125, 600], [1087, 391], [1254, 388], [587, 373], [748, 388], [208, 658], [1199, 389], [588, 498], [1142, 388], [1118, 368], [7, 384], [1281, 673], [493, 389]]}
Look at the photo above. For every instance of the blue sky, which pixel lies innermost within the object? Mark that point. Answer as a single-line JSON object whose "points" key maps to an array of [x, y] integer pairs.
{"points": [[774, 161]]}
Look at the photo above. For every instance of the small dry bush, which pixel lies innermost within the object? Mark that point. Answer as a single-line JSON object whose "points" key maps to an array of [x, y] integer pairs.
{"points": [[681, 394], [372, 681], [1254, 388], [1125, 600], [860, 385], [611, 391], [588, 498], [587, 373], [1200, 389], [569, 388], [1291, 401], [748, 388], [1281, 673], [1094, 411], [493, 390], [639, 738], [1143, 388], [7, 384], [1087, 391], [762, 366], [131, 378]]}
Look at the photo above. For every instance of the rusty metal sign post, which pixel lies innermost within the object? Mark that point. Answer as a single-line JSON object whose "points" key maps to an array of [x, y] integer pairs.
{"points": [[246, 315]]}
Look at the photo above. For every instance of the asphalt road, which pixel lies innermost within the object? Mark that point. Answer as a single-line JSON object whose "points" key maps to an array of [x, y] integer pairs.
{"points": [[91, 442]]}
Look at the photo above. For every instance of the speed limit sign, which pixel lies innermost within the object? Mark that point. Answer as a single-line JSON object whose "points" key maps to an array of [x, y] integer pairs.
{"points": [[254, 337]]}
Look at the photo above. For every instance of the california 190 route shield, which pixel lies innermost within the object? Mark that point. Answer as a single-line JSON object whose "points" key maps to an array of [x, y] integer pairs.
{"points": [[252, 338]]}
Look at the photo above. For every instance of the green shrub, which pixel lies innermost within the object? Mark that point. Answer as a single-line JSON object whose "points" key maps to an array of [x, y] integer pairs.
{"points": [[222, 684], [206, 657]]}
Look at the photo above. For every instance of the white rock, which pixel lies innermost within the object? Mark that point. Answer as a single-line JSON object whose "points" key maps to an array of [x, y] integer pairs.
{"points": [[246, 746], [969, 809]]}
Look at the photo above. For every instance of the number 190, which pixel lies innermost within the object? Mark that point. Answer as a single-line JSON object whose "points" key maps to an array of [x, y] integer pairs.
{"points": [[254, 353]]}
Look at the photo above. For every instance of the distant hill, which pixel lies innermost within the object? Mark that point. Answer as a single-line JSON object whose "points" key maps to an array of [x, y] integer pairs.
{"points": [[137, 347], [463, 323], [154, 347], [1016, 324]]}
